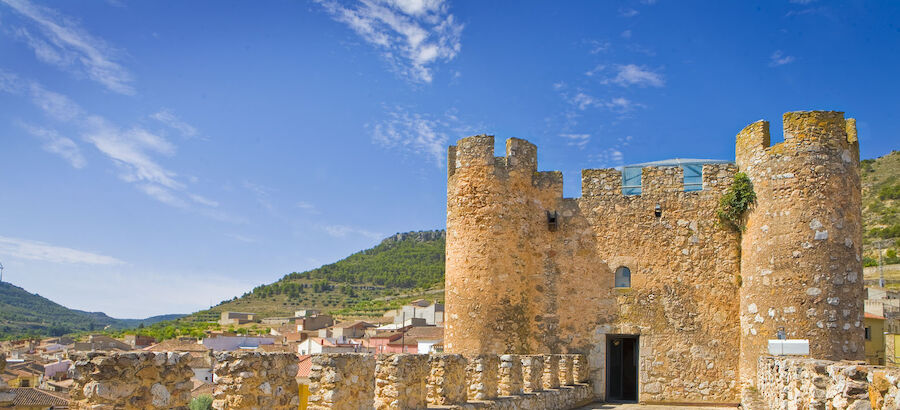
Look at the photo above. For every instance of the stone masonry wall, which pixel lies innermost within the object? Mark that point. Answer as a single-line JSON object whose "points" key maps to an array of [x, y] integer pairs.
{"points": [[800, 266], [254, 380], [131, 381], [511, 375], [341, 381], [482, 376], [532, 373], [515, 284], [446, 379], [400, 381], [529, 271], [799, 383]]}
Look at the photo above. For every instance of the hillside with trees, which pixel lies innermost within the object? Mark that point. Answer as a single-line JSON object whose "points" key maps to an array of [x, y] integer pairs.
{"points": [[881, 208]]}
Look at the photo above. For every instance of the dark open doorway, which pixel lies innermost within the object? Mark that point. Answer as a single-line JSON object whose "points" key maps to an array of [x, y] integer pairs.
{"points": [[621, 367]]}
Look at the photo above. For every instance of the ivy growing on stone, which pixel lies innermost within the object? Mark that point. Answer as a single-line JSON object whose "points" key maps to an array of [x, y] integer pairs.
{"points": [[736, 201]]}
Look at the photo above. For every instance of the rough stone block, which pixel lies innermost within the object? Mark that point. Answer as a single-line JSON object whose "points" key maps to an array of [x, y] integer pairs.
{"points": [[252, 380], [482, 375], [532, 373], [566, 368], [446, 379], [400, 381], [510, 383], [551, 371], [131, 381], [342, 381]]}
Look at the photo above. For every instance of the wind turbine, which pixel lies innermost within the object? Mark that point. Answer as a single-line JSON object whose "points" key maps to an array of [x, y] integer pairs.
{"points": [[1, 273]]}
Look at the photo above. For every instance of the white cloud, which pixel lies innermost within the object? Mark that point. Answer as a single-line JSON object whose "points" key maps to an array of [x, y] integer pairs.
{"points": [[133, 150], [778, 58], [577, 140], [412, 34], [598, 68], [40, 251], [169, 119], [583, 101], [609, 157], [631, 74], [802, 1], [598, 46], [418, 133], [626, 34], [57, 144], [628, 12], [342, 231], [63, 43]]}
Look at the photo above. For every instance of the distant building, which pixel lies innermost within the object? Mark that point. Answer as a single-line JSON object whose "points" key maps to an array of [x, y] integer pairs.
{"points": [[202, 361], [307, 312], [314, 322], [317, 345], [432, 313], [231, 343], [874, 336], [350, 329], [30, 398], [426, 337], [277, 321], [139, 341], [236, 318], [101, 343]]}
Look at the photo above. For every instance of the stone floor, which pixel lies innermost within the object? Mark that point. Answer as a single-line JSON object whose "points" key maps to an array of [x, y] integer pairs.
{"points": [[632, 406]]}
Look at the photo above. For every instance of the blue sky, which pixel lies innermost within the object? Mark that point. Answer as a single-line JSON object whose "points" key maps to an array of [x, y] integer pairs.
{"points": [[158, 157]]}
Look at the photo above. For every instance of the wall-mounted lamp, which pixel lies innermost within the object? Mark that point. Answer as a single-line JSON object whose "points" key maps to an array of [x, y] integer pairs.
{"points": [[657, 211]]}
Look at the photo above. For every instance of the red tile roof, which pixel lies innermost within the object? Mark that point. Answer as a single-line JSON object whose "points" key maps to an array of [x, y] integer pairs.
{"points": [[30, 396], [873, 316], [304, 366]]}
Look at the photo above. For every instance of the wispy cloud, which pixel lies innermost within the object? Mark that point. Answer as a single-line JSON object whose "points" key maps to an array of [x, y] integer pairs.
{"points": [[135, 151], [413, 35], [626, 34], [57, 144], [40, 251], [242, 238], [631, 74], [60, 41], [628, 12], [577, 140], [342, 231], [169, 119], [609, 157], [583, 101], [778, 59], [422, 134]]}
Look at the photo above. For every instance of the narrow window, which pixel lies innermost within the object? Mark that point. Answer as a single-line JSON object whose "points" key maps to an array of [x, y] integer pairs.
{"points": [[868, 333], [552, 221], [623, 277]]}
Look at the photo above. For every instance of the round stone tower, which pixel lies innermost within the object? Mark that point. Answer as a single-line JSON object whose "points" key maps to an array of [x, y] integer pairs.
{"points": [[800, 253], [497, 211]]}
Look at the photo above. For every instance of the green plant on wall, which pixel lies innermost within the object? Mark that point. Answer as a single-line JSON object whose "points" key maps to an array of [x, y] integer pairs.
{"points": [[736, 201]]}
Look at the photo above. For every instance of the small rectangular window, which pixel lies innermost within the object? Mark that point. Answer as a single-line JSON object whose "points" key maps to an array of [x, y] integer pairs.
{"points": [[868, 333]]}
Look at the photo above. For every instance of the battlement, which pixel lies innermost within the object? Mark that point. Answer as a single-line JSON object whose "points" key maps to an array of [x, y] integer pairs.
{"points": [[521, 160], [804, 132]]}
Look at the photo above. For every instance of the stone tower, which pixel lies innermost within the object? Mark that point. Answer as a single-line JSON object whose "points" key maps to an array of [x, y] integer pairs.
{"points": [[800, 260], [496, 233]]}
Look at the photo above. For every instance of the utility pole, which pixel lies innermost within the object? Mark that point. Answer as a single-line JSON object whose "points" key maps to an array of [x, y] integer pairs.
{"points": [[881, 244]]}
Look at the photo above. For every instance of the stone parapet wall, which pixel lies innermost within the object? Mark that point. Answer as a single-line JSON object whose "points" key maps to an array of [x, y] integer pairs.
{"points": [[510, 375], [566, 367], [400, 381], [446, 379], [551, 371], [340, 381], [532, 373], [254, 380], [482, 376], [800, 383], [131, 381]]}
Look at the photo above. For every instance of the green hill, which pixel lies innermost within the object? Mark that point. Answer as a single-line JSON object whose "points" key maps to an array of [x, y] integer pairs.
{"points": [[881, 207], [24, 314], [368, 282]]}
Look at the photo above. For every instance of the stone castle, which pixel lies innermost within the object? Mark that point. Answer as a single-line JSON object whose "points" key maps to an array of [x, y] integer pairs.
{"points": [[667, 304]]}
